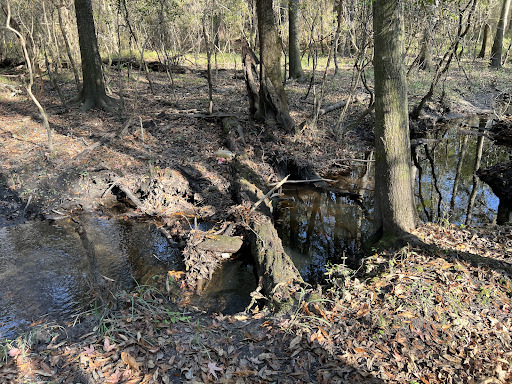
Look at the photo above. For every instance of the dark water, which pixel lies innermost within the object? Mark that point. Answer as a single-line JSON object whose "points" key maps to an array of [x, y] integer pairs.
{"points": [[446, 189], [319, 226], [46, 273]]}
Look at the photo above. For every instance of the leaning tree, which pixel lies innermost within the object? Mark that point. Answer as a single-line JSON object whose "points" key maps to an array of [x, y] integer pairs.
{"points": [[93, 88]]}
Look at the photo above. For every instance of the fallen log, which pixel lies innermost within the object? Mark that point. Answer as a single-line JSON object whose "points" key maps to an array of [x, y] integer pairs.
{"points": [[220, 243], [279, 276]]}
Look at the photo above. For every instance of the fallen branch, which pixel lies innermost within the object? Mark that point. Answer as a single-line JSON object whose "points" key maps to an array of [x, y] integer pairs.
{"points": [[301, 182], [269, 193], [332, 107]]}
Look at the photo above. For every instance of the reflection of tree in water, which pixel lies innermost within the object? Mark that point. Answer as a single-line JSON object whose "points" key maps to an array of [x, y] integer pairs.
{"points": [[319, 227], [446, 188]]}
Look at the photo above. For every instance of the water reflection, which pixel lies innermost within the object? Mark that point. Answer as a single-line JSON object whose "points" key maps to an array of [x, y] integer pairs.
{"points": [[318, 227], [446, 186], [46, 271]]}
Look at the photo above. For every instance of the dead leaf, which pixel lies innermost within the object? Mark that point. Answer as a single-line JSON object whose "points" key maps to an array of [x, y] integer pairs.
{"points": [[296, 340], [114, 378], [107, 346], [129, 360], [212, 368], [89, 350]]}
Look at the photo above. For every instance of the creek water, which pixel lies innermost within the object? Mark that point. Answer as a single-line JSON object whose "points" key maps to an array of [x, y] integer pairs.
{"points": [[46, 272], [320, 226]]}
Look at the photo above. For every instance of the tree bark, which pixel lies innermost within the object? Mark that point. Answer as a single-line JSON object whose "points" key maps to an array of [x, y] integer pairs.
{"points": [[93, 89], [486, 41], [395, 212], [278, 274], [273, 101], [294, 35], [497, 46]]}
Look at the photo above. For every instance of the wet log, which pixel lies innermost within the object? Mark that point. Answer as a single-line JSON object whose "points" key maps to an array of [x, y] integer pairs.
{"points": [[279, 276], [220, 243]]}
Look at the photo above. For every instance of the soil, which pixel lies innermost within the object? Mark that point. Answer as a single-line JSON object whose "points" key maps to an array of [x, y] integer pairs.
{"points": [[438, 312]]}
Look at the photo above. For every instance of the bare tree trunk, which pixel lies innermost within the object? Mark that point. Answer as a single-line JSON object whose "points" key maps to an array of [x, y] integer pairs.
{"points": [[66, 44], [294, 37], [273, 101], [497, 46], [486, 41], [93, 90], [395, 212]]}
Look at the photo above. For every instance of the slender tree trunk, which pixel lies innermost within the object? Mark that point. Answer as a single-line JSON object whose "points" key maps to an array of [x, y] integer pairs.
{"points": [[66, 44], [497, 46], [28, 63], [395, 212], [93, 89], [294, 37], [339, 17], [425, 61], [486, 41]]}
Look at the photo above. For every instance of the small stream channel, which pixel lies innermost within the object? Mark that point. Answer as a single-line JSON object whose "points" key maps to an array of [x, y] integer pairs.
{"points": [[321, 226], [45, 271]]}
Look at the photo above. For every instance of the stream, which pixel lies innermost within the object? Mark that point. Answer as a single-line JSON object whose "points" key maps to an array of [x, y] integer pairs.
{"points": [[46, 272], [321, 226]]}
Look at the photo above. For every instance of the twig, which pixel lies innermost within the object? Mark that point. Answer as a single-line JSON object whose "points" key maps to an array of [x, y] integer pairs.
{"points": [[302, 181], [269, 193], [361, 160]]}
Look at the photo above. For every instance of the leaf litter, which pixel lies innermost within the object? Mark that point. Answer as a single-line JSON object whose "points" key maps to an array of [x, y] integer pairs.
{"points": [[440, 313]]}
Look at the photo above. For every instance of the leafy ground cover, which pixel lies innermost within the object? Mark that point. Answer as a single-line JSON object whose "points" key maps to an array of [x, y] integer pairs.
{"points": [[435, 312]]}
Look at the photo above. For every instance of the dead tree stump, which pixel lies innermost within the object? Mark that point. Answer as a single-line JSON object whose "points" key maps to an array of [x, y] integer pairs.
{"points": [[279, 276]]}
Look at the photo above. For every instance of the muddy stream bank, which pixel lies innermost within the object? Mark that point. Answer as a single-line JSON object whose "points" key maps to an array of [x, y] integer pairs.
{"points": [[49, 274]]}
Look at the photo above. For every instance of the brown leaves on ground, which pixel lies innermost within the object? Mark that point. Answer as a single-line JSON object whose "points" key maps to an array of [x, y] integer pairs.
{"points": [[412, 316]]}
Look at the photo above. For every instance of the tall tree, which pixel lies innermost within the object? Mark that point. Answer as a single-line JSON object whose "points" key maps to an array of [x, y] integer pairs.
{"points": [[486, 41], [93, 88], [272, 100], [395, 212], [497, 46], [294, 47]]}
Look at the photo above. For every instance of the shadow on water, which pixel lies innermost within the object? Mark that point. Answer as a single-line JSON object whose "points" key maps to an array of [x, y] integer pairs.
{"points": [[51, 270], [319, 227]]}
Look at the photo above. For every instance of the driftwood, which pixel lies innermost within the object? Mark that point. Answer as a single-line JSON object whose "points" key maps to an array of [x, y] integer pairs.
{"points": [[277, 272], [219, 243]]}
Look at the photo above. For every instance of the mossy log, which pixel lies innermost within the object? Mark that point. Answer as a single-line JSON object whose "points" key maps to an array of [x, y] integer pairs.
{"points": [[278, 274]]}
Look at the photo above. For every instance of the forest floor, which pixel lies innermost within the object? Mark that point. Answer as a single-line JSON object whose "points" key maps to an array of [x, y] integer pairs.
{"points": [[440, 312]]}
